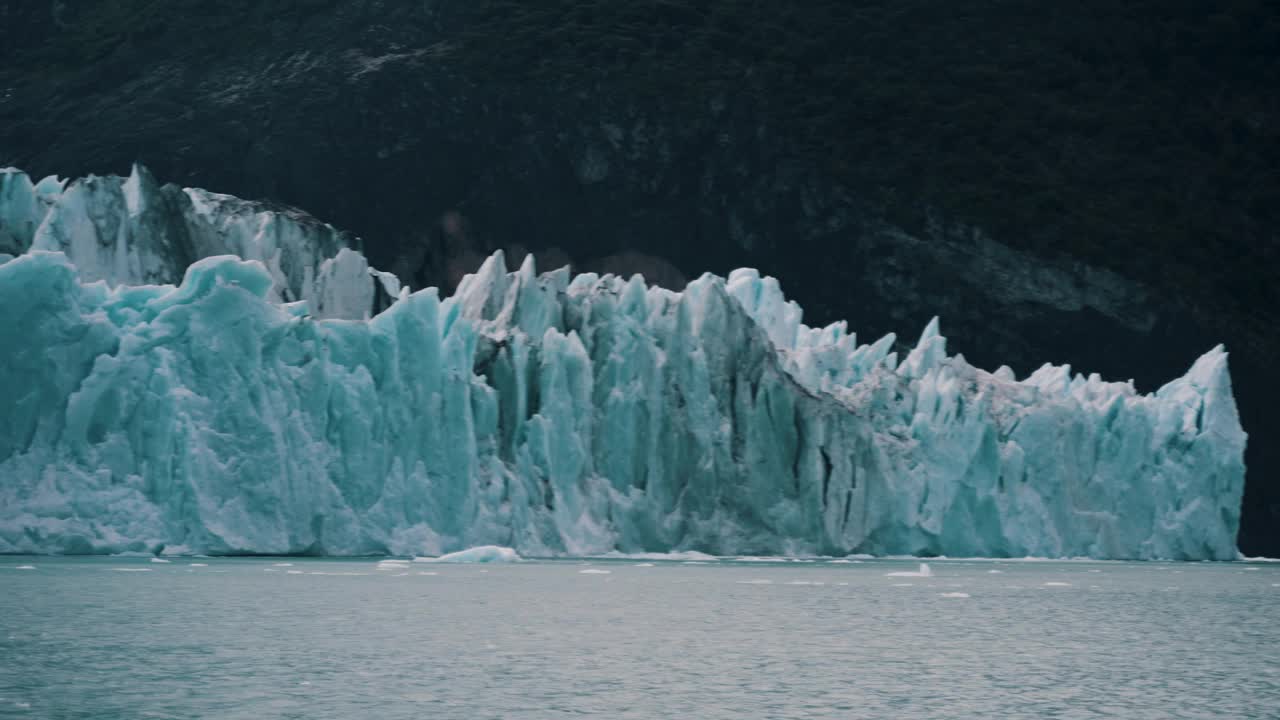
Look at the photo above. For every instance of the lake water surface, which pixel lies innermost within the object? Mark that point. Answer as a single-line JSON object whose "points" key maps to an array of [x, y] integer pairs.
{"points": [[111, 638]]}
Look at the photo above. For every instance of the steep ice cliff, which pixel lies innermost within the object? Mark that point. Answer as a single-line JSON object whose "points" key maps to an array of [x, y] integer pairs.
{"points": [[134, 231], [557, 414]]}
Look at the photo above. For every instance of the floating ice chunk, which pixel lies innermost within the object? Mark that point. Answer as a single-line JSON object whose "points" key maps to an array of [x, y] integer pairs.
{"points": [[293, 572], [594, 571], [158, 560], [282, 564], [923, 571], [1057, 584], [755, 582], [995, 572], [481, 554], [25, 567], [199, 564], [693, 556], [903, 585], [954, 595], [805, 582], [644, 565], [690, 555]]}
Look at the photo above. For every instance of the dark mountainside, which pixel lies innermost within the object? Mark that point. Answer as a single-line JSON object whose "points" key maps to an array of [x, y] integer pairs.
{"points": [[1094, 183]]}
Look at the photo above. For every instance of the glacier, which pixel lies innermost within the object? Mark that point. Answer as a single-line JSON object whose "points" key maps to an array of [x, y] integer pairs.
{"points": [[134, 231], [184, 372]]}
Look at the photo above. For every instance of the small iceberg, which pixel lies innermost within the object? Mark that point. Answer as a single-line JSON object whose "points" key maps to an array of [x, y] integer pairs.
{"points": [[158, 560], [955, 595], [594, 571], [691, 555], [481, 554], [924, 571]]}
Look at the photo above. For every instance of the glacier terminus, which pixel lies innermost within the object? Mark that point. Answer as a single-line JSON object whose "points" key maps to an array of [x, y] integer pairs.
{"points": [[182, 371]]}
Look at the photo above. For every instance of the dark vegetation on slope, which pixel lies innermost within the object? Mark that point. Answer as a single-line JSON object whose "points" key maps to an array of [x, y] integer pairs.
{"points": [[1094, 182]]}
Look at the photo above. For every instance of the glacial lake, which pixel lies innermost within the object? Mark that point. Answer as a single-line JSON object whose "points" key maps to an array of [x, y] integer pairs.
{"points": [[109, 638]]}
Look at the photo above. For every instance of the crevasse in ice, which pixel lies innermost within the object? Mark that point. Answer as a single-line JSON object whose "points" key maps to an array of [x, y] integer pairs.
{"points": [[567, 415]]}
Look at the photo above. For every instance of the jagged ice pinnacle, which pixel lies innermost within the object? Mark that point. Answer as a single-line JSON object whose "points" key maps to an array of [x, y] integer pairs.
{"points": [[548, 413]]}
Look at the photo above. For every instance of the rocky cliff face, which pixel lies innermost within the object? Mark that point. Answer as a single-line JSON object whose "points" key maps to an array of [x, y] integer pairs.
{"points": [[1051, 188]]}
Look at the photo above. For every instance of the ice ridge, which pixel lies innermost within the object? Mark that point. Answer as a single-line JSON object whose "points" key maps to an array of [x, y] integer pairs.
{"points": [[550, 414], [135, 231]]}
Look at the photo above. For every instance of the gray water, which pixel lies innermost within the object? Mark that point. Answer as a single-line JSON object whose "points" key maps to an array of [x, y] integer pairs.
{"points": [[258, 638]]}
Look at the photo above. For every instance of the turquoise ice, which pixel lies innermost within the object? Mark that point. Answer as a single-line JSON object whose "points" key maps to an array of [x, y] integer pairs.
{"points": [[560, 415], [134, 231]]}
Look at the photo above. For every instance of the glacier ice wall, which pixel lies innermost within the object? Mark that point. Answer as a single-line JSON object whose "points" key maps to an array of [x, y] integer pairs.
{"points": [[558, 414], [134, 231]]}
